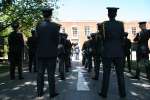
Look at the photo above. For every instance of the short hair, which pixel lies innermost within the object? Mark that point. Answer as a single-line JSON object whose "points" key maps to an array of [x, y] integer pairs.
{"points": [[15, 24], [47, 12]]}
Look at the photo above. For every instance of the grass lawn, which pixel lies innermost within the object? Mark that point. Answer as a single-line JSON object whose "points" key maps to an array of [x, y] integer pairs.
{"points": [[4, 68]]}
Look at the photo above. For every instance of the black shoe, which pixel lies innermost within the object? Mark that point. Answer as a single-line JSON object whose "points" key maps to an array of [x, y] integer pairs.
{"points": [[12, 78], [21, 78], [89, 70], [40, 95], [94, 78], [54, 95], [123, 96], [135, 77], [67, 70], [62, 78], [102, 95], [35, 71]]}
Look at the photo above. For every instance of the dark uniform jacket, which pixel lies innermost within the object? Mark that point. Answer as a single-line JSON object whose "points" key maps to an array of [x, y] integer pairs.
{"points": [[142, 46], [32, 44], [68, 47], [47, 39], [113, 39], [127, 46], [16, 45]]}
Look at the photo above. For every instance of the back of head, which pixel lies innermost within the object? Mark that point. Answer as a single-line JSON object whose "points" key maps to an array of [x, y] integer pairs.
{"points": [[93, 35], [47, 12], [33, 32], [142, 25], [88, 37], [15, 25], [112, 12], [99, 26]]}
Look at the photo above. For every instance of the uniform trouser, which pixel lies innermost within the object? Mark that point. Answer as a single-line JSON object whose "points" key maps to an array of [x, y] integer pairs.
{"points": [[67, 62], [89, 63], [15, 61], [83, 59], [50, 65], [141, 64], [32, 60], [86, 62], [62, 66], [118, 62], [12, 70], [96, 66], [128, 61]]}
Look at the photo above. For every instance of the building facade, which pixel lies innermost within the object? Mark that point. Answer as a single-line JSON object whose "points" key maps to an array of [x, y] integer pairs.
{"points": [[79, 30]]}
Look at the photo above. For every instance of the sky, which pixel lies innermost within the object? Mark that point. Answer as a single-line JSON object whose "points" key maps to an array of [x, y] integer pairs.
{"points": [[130, 10]]}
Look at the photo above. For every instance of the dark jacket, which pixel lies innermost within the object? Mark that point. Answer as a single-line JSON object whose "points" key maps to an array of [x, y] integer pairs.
{"points": [[32, 45], [113, 40], [142, 45], [47, 39], [15, 43]]}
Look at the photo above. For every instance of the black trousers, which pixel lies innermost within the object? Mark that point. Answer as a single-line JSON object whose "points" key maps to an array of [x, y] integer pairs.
{"points": [[141, 63], [67, 62], [50, 66], [97, 62], [89, 63], [32, 61], [128, 61], [15, 61], [61, 66], [118, 63]]}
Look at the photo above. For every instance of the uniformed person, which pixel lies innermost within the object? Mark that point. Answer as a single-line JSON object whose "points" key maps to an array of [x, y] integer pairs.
{"points": [[62, 55], [47, 43], [127, 51], [113, 53], [68, 47], [16, 48], [89, 53], [85, 52], [32, 43], [142, 50], [97, 50]]}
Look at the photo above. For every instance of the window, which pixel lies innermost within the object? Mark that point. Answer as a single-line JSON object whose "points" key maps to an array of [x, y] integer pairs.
{"points": [[133, 30], [75, 40], [74, 31], [87, 30]]}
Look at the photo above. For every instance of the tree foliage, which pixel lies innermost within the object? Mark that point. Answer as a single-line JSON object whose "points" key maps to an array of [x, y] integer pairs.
{"points": [[27, 12]]}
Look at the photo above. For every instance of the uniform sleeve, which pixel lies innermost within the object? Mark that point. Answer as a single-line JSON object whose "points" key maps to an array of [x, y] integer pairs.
{"points": [[122, 30], [58, 33], [148, 33], [22, 40]]}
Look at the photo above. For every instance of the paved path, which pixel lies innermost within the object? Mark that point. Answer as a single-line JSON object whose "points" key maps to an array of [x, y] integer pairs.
{"points": [[77, 86]]}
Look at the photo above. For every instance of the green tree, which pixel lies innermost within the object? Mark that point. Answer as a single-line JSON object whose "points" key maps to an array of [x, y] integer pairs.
{"points": [[27, 12]]}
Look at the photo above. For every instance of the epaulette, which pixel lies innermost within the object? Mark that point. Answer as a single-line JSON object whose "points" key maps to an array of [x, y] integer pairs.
{"points": [[121, 22]]}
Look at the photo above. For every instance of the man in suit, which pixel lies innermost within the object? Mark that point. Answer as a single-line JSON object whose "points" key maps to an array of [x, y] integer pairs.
{"points": [[85, 52], [62, 55], [113, 33], [16, 49], [67, 48], [142, 50], [32, 43], [47, 42], [127, 51], [96, 49]]}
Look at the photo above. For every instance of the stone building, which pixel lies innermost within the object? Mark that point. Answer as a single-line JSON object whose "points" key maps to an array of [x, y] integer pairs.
{"points": [[79, 30]]}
